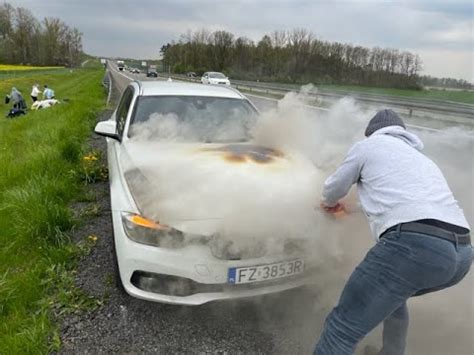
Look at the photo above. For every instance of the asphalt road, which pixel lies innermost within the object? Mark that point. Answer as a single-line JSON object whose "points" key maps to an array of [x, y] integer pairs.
{"points": [[287, 323]]}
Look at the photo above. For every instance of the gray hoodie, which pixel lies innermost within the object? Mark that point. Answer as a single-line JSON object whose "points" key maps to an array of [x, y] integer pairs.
{"points": [[15, 96], [396, 182]]}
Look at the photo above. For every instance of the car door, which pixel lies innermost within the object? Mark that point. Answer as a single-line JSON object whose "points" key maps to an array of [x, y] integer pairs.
{"points": [[114, 145], [205, 78]]}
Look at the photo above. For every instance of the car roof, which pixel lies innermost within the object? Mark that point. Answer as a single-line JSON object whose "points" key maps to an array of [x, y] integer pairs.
{"points": [[157, 88]]}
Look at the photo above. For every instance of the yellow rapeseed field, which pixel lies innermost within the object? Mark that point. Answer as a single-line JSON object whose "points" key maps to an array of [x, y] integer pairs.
{"points": [[8, 67]]}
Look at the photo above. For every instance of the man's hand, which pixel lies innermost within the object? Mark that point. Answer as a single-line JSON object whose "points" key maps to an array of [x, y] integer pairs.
{"points": [[339, 207]]}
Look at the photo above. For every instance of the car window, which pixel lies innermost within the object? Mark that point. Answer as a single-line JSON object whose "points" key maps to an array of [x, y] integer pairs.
{"points": [[192, 119], [217, 76], [122, 110]]}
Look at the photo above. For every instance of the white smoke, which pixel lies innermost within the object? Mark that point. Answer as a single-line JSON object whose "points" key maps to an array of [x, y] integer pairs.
{"points": [[250, 201]]}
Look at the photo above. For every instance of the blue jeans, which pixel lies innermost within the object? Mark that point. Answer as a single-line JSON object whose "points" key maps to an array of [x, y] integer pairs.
{"points": [[399, 266]]}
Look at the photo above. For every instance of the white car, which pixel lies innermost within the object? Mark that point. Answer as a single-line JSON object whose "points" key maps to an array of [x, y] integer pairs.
{"points": [[185, 185], [215, 78]]}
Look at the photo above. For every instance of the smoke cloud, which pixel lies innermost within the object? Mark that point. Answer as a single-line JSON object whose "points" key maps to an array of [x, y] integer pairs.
{"points": [[255, 207]]}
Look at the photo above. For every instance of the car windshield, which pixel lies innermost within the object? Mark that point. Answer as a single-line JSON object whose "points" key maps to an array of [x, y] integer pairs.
{"points": [[217, 75], [192, 119]]}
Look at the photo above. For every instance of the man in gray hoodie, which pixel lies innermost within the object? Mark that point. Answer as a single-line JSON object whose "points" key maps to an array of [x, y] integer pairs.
{"points": [[423, 238]]}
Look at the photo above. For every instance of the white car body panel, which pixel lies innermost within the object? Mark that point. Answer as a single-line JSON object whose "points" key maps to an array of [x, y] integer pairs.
{"points": [[193, 262]]}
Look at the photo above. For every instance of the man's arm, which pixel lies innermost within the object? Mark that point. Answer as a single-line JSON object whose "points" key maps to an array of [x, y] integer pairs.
{"points": [[339, 183]]}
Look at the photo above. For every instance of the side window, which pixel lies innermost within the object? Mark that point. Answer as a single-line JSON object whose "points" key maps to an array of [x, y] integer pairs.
{"points": [[122, 109]]}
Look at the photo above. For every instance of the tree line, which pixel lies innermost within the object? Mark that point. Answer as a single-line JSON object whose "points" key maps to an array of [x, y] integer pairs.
{"points": [[428, 80], [26, 40], [292, 56]]}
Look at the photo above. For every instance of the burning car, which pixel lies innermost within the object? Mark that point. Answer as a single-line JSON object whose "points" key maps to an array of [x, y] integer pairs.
{"points": [[201, 212]]}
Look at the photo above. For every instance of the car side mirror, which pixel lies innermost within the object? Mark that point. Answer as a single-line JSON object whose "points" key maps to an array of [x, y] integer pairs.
{"points": [[107, 129]]}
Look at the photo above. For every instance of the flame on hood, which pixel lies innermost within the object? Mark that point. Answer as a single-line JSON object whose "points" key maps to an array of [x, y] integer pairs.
{"points": [[243, 153]]}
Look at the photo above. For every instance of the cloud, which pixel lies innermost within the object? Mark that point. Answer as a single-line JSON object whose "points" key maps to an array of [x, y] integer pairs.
{"points": [[454, 34], [448, 63], [139, 29]]}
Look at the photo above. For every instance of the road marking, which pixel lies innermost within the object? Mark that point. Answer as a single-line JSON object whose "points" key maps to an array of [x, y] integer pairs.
{"points": [[121, 73]]}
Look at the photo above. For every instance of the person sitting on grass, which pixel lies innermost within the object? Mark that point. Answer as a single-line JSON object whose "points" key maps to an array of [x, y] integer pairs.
{"points": [[37, 105]]}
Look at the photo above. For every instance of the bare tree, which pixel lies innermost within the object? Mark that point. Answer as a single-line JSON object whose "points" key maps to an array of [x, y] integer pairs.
{"points": [[222, 48], [23, 39], [296, 56]]}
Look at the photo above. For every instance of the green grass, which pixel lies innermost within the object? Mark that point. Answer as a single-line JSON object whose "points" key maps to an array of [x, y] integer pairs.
{"points": [[92, 62], [40, 74], [40, 169], [463, 96]]}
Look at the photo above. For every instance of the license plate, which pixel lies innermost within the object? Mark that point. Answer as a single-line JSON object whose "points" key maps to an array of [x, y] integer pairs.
{"points": [[242, 275]]}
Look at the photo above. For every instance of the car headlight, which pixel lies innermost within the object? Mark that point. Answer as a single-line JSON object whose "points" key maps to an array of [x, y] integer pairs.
{"points": [[145, 231]]}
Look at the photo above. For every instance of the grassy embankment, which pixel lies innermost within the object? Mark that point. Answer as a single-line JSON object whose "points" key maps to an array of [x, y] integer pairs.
{"points": [[42, 170], [462, 96], [434, 95], [8, 71]]}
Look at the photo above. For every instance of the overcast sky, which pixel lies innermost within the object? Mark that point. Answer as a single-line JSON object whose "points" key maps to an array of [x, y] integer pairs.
{"points": [[440, 31]]}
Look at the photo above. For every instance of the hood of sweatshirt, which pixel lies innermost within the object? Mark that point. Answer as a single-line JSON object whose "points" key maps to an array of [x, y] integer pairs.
{"points": [[401, 133]]}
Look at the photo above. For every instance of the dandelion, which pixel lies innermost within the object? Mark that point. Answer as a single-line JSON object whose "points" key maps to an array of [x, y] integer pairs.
{"points": [[90, 157], [92, 238]]}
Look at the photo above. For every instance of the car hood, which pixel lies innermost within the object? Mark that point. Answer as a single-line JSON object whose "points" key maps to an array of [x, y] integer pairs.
{"points": [[205, 189]]}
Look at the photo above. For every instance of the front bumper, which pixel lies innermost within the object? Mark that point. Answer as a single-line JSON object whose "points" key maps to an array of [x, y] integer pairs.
{"points": [[190, 275]]}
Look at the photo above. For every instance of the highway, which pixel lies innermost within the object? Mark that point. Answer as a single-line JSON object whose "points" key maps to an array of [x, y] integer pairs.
{"points": [[431, 120]]}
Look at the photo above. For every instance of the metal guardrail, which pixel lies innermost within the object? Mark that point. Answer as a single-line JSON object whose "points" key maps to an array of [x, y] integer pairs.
{"points": [[343, 93], [408, 104], [107, 83]]}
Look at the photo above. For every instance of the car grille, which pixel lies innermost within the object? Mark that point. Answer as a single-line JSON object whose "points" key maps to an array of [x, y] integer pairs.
{"points": [[228, 250]]}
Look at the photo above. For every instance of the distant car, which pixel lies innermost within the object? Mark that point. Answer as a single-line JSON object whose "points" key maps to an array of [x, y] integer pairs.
{"points": [[135, 70], [216, 78], [151, 71], [171, 251], [191, 74]]}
